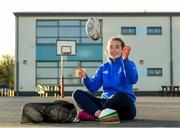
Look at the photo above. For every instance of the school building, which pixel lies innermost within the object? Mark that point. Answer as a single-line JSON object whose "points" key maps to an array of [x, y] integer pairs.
{"points": [[153, 37]]}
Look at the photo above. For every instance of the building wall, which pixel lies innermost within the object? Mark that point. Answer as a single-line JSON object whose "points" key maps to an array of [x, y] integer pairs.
{"points": [[26, 52], [154, 50], [176, 49]]}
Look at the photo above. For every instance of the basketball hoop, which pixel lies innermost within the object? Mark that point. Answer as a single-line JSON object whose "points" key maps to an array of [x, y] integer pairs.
{"points": [[66, 53], [64, 48]]}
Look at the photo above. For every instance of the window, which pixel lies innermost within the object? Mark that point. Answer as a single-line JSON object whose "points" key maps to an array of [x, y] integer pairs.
{"points": [[154, 72], [69, 22], [49, 72], [48, 66], [48, 31], [128, 30], [46, 40], [69, 32], [154, 30], [45, 23]]}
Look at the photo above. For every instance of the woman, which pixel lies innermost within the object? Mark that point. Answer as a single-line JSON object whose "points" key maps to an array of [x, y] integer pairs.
{"points": [[116, 78]]}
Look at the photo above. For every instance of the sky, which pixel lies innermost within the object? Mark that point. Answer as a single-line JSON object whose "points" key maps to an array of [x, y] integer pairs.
{"points": [[7, 7]]}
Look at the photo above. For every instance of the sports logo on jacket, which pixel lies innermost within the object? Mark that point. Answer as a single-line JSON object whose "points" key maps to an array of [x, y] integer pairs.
{"points": [[120, 70], [105, 72]]}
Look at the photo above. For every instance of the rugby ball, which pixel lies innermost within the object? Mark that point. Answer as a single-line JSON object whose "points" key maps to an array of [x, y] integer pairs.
{"points": [[93, 28]]}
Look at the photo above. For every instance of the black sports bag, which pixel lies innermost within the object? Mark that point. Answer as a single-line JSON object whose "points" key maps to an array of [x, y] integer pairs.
{"points": [[58, 111]]}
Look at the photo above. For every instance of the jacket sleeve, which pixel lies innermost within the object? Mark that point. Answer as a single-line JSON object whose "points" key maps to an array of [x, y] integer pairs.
{"points": [[94, 83], [131, 72]]}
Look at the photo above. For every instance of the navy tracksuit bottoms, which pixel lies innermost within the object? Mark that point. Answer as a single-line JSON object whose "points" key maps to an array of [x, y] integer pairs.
{"points": [[120, 102]]}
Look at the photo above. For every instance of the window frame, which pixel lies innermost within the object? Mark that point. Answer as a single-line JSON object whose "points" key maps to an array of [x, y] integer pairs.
{"points": [[80, 26], [128, 33], [153, 29], [154, 71]]}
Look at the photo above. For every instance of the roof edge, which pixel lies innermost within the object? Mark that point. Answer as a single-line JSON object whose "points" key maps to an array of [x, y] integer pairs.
{"points": [[96, 13]]}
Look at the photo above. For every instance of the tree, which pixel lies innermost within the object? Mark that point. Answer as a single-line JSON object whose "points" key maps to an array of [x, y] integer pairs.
{"points": [[7, 70]]}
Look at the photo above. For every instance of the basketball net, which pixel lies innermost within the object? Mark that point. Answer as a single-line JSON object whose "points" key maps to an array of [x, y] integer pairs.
{"points": [[66, 53]]}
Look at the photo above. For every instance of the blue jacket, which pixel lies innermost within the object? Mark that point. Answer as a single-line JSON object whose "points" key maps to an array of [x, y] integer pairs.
{"points": [[113, 76]]}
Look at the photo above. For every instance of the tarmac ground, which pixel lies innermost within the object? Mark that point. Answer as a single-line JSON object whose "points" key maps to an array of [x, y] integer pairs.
{"points": [[151, 112]]}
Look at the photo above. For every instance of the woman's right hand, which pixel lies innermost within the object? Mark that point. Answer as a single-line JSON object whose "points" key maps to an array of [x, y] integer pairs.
{"points": [[80, 72]]}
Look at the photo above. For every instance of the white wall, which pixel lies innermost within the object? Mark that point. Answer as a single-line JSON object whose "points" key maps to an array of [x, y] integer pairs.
{"points": [[154, 49], [176, 49], [26, 50]]}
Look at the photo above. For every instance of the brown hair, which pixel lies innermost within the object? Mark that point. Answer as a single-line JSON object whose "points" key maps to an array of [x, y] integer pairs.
{"points": [[116, 38]]}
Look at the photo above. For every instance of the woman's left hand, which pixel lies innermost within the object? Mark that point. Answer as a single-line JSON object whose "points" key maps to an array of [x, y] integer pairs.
{"points": [[125, 52]]}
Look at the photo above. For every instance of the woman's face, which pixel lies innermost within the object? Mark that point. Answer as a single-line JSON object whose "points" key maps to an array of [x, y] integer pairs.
{"points": [[114, 49]]}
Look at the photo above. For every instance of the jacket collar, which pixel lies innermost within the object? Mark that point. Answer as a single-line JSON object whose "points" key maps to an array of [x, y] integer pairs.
{"points": [[117, 60]]}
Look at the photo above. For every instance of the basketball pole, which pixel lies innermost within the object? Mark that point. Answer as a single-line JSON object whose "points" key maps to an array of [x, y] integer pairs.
{"points": [[64, 49], [62, 77]]}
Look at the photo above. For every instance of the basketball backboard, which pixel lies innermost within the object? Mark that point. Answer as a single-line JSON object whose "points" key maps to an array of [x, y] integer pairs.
{"points": [[66, 47]]}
